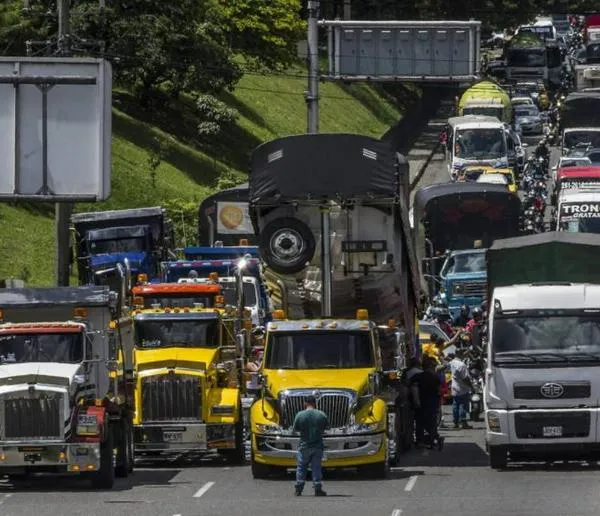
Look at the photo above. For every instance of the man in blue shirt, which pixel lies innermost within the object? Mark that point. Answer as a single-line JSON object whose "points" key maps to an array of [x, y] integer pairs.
{"points": [[311, 424]]}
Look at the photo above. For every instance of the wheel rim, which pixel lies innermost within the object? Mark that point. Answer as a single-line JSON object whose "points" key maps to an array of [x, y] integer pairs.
{"points": [[287, 245]]}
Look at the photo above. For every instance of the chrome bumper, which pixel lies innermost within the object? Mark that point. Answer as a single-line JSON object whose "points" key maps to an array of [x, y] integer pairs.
{"points": [[188, 437], [60, 456], [338, 447]]}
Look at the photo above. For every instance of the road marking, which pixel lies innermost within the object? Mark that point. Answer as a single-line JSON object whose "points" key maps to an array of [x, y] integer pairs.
{"points": [[411, 483], [5, 497], [176, 514], [226, 468], [397, 512], [203, 489]]}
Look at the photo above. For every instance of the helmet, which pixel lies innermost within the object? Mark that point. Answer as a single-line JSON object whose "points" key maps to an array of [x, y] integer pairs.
{"points": [[477, 312], [464, 309]]}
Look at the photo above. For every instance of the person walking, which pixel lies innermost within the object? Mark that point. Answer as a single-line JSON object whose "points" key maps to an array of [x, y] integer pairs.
{"points": [[461, 389], [311, 424], [429, 385]]}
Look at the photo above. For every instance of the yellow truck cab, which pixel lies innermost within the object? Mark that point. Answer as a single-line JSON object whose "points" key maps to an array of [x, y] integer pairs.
{"points": [[187, 371], [337, 361], [478, 173]]}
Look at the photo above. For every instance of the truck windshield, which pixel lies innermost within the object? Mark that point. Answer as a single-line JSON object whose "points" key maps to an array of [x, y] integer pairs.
{"points": [[527, 57], [581, 139], [181, 333], [319, 350], [464, 263], [480, 144], [579, 217], [41, 347], [533, 337], [497, 111], [228, 290], [179, 300], [121, 245]]}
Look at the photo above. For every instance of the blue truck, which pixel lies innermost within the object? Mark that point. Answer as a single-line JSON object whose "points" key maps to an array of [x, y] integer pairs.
{"points": [[137, 239], [201, 261]]}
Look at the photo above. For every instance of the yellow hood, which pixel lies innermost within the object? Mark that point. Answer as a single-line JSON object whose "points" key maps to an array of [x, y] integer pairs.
{"points": [[174, 357], [282, 379]]}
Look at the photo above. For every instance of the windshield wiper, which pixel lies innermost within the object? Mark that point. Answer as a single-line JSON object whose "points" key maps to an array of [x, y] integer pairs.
{"points": [[582, 356], [551, 356], [508, 355]]}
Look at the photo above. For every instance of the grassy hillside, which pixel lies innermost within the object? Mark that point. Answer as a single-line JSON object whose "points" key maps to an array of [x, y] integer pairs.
{"points": [[188, 169]]}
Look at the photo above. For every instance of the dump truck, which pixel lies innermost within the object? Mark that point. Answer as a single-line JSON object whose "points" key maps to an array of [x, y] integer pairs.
{"points": [[579, 121], [531, 58], [65, 405], [346, 195], [189, 382], [542, 378], [139, 239], [487, 98]]}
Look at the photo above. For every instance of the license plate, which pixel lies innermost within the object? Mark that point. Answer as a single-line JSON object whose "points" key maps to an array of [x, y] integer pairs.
{"points": [[85, 420], [552, 431], [33, 457], [173, 437]]}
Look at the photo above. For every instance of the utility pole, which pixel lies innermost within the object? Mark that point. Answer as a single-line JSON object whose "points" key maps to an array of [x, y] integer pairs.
{"points": [[312, 95], [63, 210]]}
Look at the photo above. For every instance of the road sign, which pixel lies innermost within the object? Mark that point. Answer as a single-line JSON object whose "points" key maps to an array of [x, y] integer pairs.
{"points": [[430, 51], [55, 117]]}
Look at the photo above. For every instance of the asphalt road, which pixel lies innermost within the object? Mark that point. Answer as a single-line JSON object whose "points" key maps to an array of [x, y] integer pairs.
{"points": [[455, 481]]}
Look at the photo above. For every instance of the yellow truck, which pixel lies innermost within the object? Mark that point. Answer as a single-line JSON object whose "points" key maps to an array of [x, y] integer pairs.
{"points": [[188, 366], [486, 98], [339, 361]]}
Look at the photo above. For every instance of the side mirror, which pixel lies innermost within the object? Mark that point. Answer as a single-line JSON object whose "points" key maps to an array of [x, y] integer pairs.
{"points": [[113, 351], [374, 383], [262, 313], [240, 341]]}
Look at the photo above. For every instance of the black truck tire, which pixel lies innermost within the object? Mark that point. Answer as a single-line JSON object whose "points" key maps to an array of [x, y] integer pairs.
{"points": [[379, 470], [237, 456], [286, 245], [498, 457], [104, 478], [125, 450]]}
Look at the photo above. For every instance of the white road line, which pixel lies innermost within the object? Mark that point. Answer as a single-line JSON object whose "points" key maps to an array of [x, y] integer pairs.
{"points": [[176, 514], [396, 512], [4, 498], [203, 489], [411, 483]]}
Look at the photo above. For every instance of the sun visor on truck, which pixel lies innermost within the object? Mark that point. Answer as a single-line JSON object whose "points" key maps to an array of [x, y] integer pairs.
{"points": [[318, 166], [580, 109], [456, 215], [118, 233], [555, 256]]}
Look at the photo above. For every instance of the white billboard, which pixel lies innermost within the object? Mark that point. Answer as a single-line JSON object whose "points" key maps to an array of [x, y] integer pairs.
{"points": [[233, 218], [55, 116]]}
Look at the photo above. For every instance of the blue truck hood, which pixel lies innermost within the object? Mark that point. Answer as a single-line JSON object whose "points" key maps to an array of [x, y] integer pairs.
{"points": [[202, 253], [469, 276], [136, 259], [181, 268]]}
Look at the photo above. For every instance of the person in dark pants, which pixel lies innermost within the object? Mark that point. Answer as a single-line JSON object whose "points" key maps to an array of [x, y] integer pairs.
{"points": [[311, 424], [429, 388]]}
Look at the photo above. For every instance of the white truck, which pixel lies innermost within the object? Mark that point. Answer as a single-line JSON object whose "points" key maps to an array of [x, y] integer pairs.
{"points": [[64, 407], [543, 361]]}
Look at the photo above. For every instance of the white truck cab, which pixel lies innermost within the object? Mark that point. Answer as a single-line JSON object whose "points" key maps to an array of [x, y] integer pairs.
{"points": [[542, 389]]}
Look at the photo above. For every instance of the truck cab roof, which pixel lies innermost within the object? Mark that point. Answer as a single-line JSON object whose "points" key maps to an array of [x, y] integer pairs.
{"points": [[320, 324], [43, 327], [548, 296]]}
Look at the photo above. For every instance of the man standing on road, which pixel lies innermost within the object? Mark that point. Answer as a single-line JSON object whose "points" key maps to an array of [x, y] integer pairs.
{"points": [[461, 389], [311, 424]]}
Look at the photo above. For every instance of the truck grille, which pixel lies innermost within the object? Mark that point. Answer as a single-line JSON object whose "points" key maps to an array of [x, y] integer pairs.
{"points": [[470, 288], [531, 425], [337, 406], [532, 391], [171, 398], [33, 418]]}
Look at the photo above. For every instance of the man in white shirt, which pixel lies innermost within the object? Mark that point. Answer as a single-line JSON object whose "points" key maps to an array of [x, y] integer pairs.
{"points": [[461, 390]]}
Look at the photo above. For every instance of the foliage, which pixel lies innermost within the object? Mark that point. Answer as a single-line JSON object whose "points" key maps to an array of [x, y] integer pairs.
{"points": [[184, 215], [264, 31], [215, 115]]}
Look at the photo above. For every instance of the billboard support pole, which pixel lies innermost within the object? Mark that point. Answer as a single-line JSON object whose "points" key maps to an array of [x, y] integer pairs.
{"points": [[312, 95], [63, 210]]}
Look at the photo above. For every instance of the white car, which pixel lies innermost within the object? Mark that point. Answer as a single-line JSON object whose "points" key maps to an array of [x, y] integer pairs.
{"points": [[493, 179], [522, 101]]}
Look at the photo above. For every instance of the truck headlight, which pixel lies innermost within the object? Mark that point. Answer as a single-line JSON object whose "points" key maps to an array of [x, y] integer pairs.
{"points": [[363, 428], [493, 421], [222, 410], [269, 429]]}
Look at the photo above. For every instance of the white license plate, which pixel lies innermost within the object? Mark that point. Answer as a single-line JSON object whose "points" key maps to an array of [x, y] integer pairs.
{"points": [[552, 431], [172, 437], [85, 420]]}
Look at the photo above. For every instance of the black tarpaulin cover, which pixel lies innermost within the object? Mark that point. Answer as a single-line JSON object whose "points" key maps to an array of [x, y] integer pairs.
{"points": [[581, 109], [317, 166], [555, 256]]}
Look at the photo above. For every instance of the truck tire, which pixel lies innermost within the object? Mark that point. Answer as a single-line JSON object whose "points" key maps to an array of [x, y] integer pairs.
{"points": [[237, 456], [104, 478], [498, 458], [286, 245], [379, 470], [125, 451], [261, 470]]}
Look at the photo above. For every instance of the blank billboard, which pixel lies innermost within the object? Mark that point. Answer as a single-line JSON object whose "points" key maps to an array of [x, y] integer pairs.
{"points": [[55, 116]]}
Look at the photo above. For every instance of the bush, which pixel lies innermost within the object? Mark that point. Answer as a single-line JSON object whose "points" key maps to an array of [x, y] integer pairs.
{"points": [[215, 116]]}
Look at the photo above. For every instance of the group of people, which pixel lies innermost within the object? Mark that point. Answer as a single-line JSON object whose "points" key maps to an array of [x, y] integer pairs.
{"points": [[426, 377]]}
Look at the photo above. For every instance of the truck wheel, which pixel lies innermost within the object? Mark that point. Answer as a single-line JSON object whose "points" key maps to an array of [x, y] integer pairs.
{"points": [[378, 470], [238, 454], [409, 431], [261, 470], [286, 245], [124, 456], [104, 478], [498, 458]]}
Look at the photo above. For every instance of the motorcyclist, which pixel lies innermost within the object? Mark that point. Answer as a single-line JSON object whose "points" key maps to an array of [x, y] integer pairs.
{"points": [[442, 317], [461, 320], [476, 318]]}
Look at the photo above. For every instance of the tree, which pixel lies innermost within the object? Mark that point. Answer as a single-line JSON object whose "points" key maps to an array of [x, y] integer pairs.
{"points": [[264, 31]]}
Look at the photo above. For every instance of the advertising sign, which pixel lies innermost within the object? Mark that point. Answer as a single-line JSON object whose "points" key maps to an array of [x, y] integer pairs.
{"points": [[233, 218]]}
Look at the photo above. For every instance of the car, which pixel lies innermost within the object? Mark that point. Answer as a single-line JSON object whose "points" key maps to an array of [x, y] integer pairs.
{"points": [[524, 100], [528, 120], [570, 161], [493, 179], [594, 156]]}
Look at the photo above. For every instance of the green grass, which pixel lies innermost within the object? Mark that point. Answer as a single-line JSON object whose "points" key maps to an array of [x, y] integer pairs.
{"points": [[190, 169]]}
